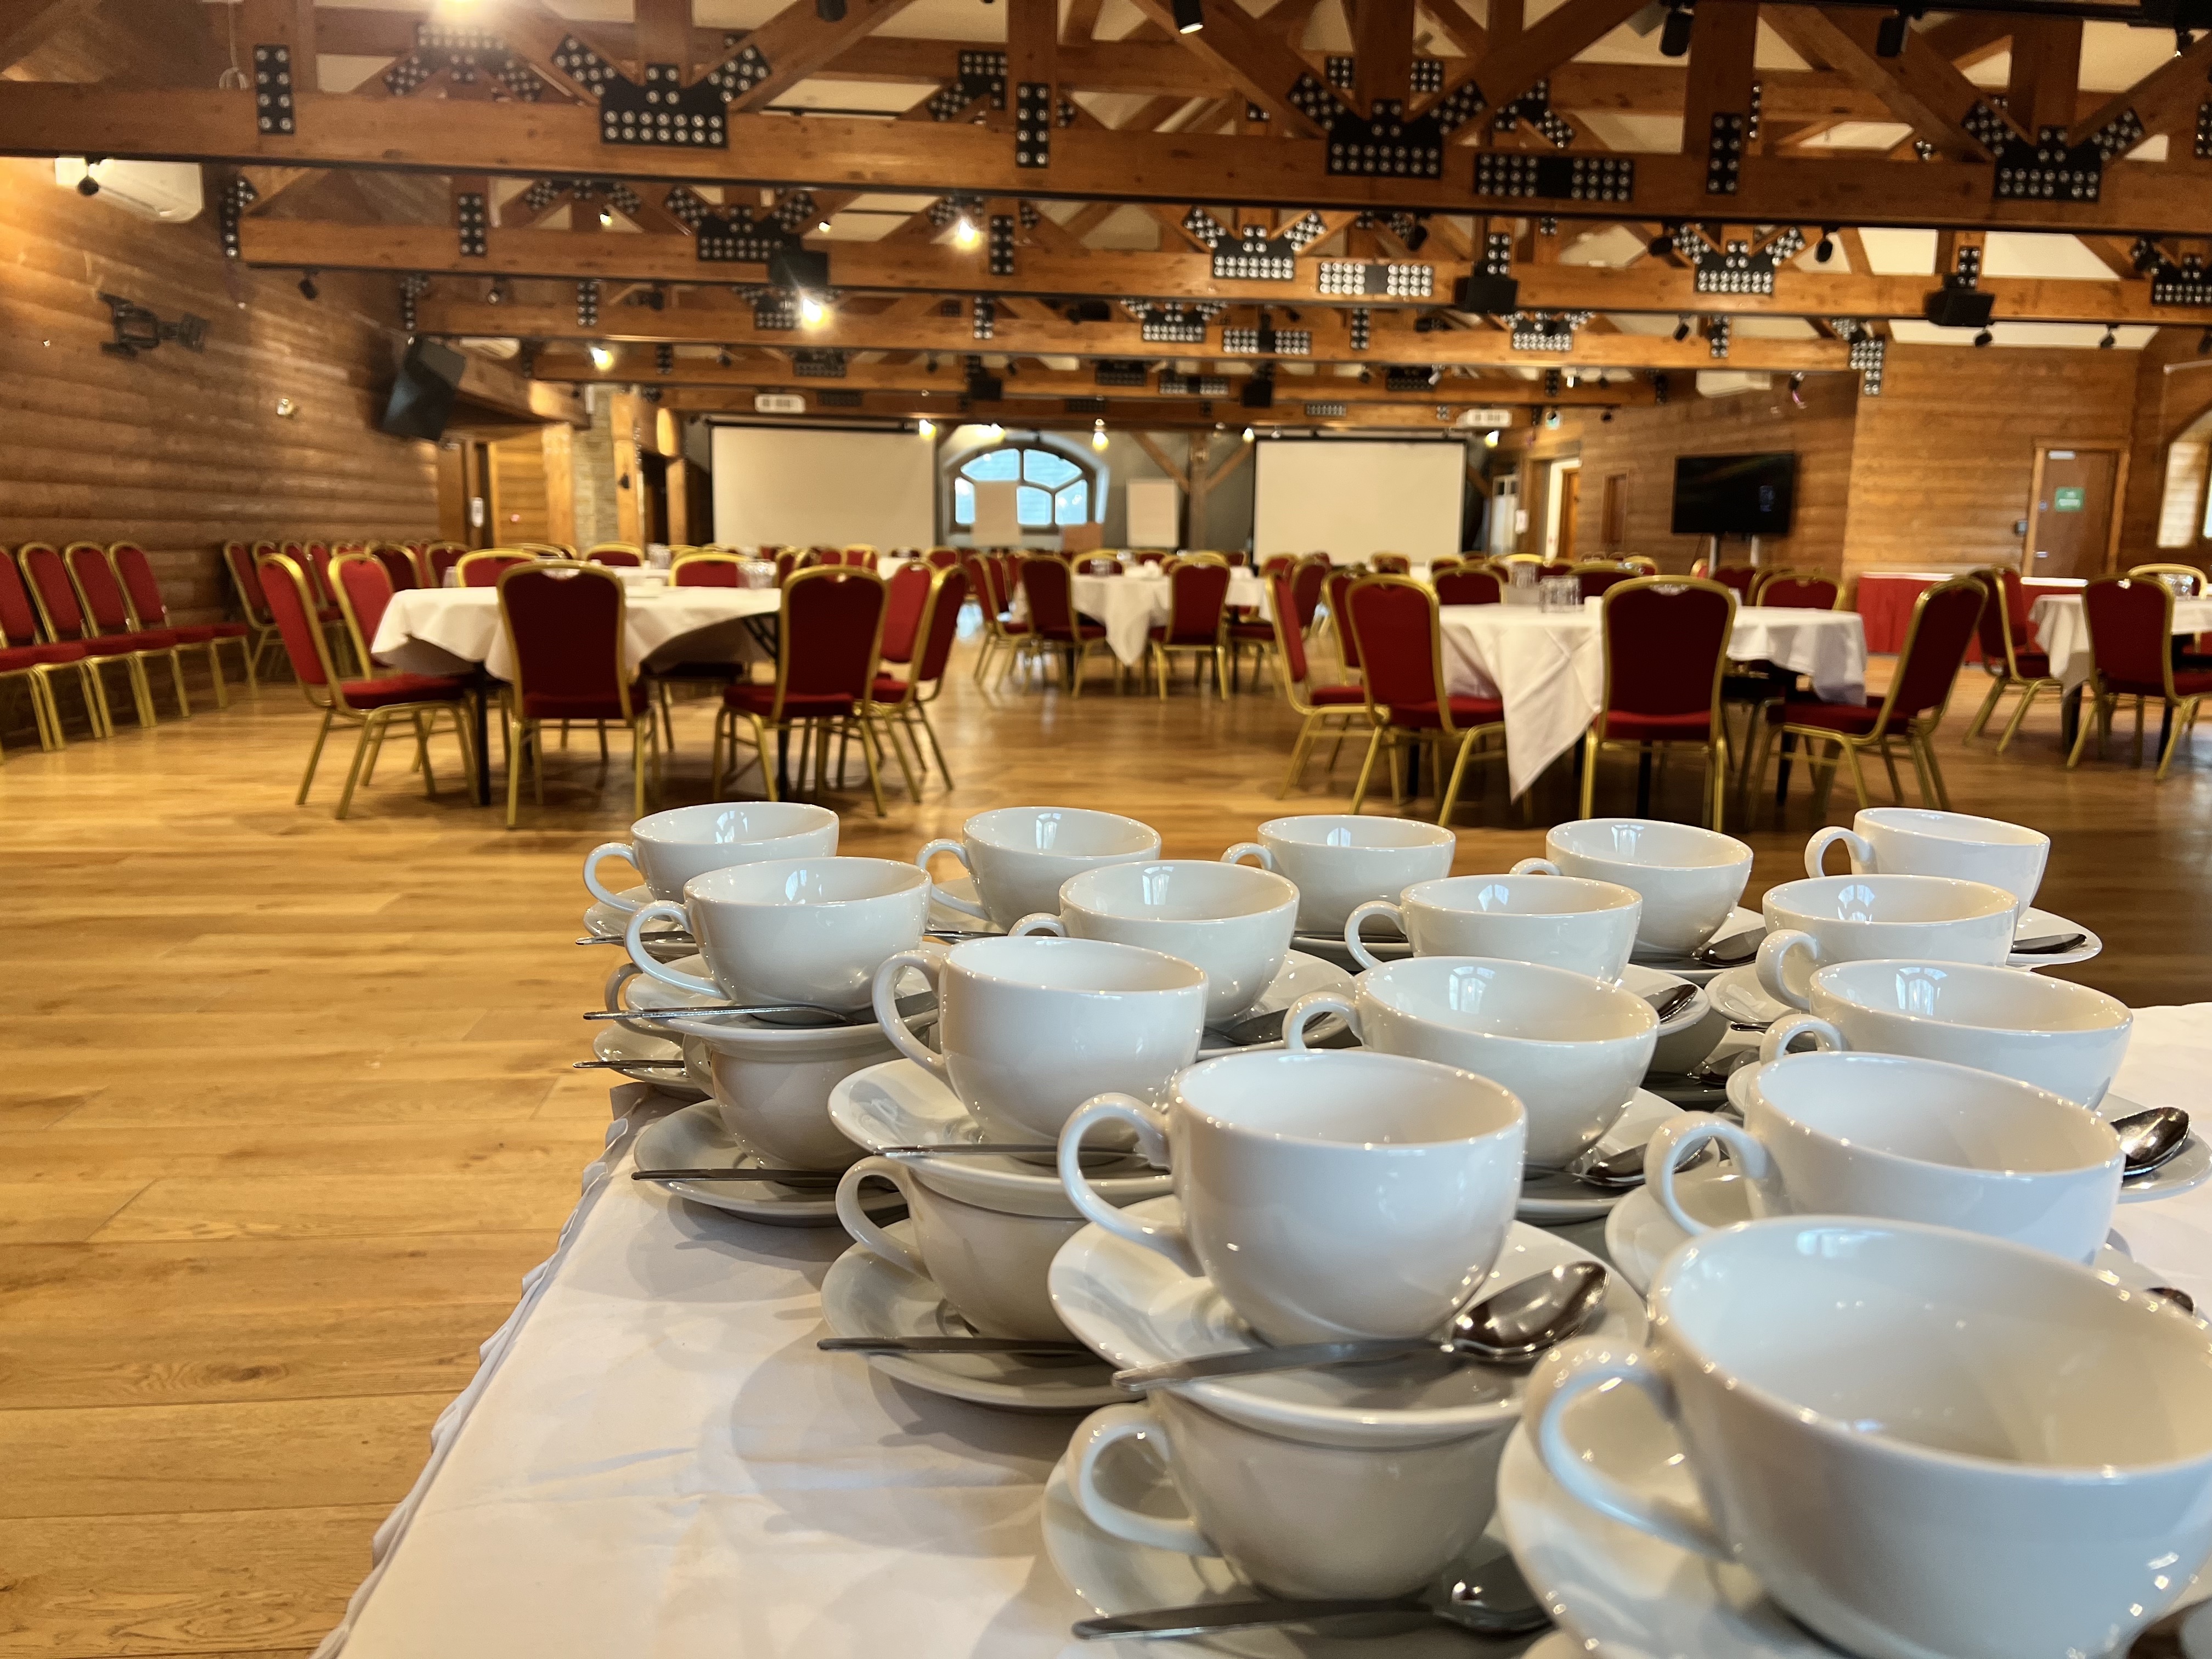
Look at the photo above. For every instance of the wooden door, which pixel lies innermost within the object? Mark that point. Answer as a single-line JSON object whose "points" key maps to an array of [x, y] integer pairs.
{"points": [[1570, 496], [2070, 529]]}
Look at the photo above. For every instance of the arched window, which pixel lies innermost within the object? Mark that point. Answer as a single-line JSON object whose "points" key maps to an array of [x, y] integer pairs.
{"points": [[1054, 489]]}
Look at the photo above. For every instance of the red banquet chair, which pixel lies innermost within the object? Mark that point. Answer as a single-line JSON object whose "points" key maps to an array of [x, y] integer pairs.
{"points": [[105, 602], [707, 570], [831, 628], [246, 581], [1337, 585], [2131, 640], [62, 614], [1944, 618], [1469, 585], [1395, 620], [1798, 590], [485, 569], [364, 589], [1390, 564], [565, 623], [1054, 622], [373, 703], [1309, 581], [904, 703], [1002, 631], [1594, 580], [1666, 642], [1322, 710], [149, 610], [1198, 595], [622, 554], [439, 557], [1098, 564], [1740, 579], [402, 564], [2011, 663], [24, 656], [942, 558]]}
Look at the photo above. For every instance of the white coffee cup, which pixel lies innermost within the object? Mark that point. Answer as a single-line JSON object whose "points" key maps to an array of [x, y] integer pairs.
{"points": [[1913, 840], [796, 930], [2055, 1034], [1690, 879], [1571, 1048], [1339, 862], [1921, 1441], [1233, 922], [1031, 1028], [1830, 919], [1906, 1139], [668, 848], [1556, 921], [990, 1264], [1327, 1196], [774, 1086], [1021, 856], [1291, 1517]]}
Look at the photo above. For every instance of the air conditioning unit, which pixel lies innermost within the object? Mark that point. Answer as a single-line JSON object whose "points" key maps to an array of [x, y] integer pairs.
{"points": [[1478, 418], [168, 190], [779, 402], [1731, 382]]}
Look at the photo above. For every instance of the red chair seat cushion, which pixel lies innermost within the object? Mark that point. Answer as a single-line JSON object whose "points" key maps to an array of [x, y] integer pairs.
{"points": [[228, 630], [1161, 636], [1326, 697], [39, 656], [564, 706], [1855, 718], [192, 633], [755, 699], [888, 689], [1695, 726], [2034, 665], [1263, 632], [1008, 624], [1465, 711], [111, 645], [329, 613], [698, 671], [150, 639], [391, 689], [2185, 684]]}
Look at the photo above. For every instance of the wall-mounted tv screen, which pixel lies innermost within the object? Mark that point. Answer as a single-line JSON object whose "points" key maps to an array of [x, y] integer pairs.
{"points": [[1733, 495]]}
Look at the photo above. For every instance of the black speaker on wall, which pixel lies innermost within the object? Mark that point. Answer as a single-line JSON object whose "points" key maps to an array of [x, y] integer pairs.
{"points": [[422, 399]]}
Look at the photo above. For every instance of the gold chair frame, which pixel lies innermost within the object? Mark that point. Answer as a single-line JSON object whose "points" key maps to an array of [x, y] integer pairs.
{"points": [[1313, 720], [1155, 651], [913, 709], [2182, 710], [214, 661], [1791, 573], [134, 671], [1716, 745], [2198, 579], [1389, 736], [141, 683], [261, 627], [1075, 654], [2008, 677], [461, 565], [1919, 733], [525, 736]]}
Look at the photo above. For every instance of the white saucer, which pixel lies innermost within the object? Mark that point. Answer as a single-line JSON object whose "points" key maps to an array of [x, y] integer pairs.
{"points": [[1331, 947], [2185, 1171], [1737, 993], [1112, 1576], [898, 1103], [2040, 924], [694, 1138], [612, 921], [635, 1054], [1639, 1235], [660, 1007], [1137, 1309], [864, 1294], [1648, 982], [1739, 920], [959, 921], [1300, 973], [1549, 1198]]}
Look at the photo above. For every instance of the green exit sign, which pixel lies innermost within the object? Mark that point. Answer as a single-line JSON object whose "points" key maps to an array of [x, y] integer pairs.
{"points": [[2067, 498]]}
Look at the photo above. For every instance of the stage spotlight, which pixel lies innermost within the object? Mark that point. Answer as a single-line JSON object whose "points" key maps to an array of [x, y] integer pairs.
{"points": [[606, 218], [1662, 242], [1985, 337], [603, 356], [926, 427], [307, 288], [829, 11], [1190, 17], [1889, 39], [1681, 329], [963, 232], [2111, 338], [1606, 419], [1675, 35], [1824, 249], [812, 311], [1797, 389]]}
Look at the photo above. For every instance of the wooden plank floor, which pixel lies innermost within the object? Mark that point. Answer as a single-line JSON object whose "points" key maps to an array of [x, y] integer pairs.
{"points": [[283, 1115]]}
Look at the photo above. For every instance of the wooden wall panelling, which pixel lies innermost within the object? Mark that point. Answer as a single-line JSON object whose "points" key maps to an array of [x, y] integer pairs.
{"points": [[2173, 391], [179, 451], [517, 490], [560, 464]]}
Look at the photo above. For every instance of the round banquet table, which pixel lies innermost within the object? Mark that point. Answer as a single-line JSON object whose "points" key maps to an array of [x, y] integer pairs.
{"points": [[1132, 606], [2063, 629], [1547, 667], [448, 631]]}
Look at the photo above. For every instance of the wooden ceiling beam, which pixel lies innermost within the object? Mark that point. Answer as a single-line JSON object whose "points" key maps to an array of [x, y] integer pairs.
{"points": [[796, 42], [27, 25], [2164, 100], [1255, 60]]}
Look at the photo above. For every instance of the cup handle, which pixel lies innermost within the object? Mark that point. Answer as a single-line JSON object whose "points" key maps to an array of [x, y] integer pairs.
{"points": [[1310, 1007], [1666, 1150], [1567, 1374], [1858, 846], [856, 1221], [1775, 952], [1249, 850], [1827, 1039], [1353, 922], [1099, 1431], [662, 910], [884, 996], [1043, 923], [1171, 1241], [610, 849], [1534, 867], [937, 893]]}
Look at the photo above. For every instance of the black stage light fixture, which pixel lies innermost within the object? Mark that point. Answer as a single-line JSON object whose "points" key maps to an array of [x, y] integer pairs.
{"points": [[2111, 338], [1984, 338], [87, 185], [829, 11], [798, 268], [1824, 249], [984, 387], [1258, 391], [1889, 39], [1675, 34], [2204, 341], [1496, 296], [1190, 17], [1090, 311], [1606, 419], [1958, 308], [1681, 329], [1417, 236], [1664, 240], [307, 288]]}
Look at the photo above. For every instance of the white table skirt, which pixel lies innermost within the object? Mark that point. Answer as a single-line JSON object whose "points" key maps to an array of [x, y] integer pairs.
{"points": [[654, 1461], [1132, 606], [1547, 667], [2062, 631], [447, 630]]}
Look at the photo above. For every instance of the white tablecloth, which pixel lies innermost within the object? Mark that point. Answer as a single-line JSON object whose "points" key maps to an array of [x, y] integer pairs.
{"points": [[1132, 606], [2062, 629], [654, 1461], [1547, 667], [446, 630]]}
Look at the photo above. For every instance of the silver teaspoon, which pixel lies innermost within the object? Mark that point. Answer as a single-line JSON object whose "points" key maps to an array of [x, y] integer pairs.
{"points": [[1672, 1000], [1730, 952], [1494, 1602], [2150, 1139], [1508, 1328]]}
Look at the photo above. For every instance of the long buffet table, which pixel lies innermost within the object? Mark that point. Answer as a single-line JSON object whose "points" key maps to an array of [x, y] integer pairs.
{"points": [[654, 1461]]}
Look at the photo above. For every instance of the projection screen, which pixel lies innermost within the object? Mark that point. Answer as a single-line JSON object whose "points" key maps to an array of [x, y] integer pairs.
{"points": [[828, 489], [1356, 497]]}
